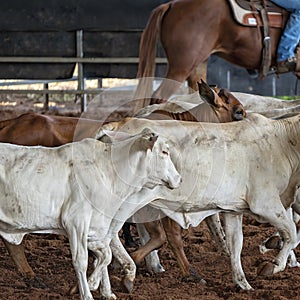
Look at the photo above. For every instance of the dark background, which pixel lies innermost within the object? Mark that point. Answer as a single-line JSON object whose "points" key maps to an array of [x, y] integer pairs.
{"points": [[110, 29]]}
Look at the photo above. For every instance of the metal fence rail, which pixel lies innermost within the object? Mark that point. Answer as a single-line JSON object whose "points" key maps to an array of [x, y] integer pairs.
{"points": [[80, 60]]}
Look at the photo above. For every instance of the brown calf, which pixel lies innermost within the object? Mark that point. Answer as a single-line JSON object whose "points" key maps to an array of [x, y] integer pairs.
{"points": [[219, 106], [33, 129]]}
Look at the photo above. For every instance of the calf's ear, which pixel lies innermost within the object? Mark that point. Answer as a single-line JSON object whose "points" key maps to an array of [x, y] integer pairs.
{"points": [[205, 92], [148, 139], [209, 95], [116, 135]]}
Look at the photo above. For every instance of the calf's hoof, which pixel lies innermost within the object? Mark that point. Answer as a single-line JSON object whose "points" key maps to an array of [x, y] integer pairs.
{"points": [[128, 284], [265, 269], [109, 297], [131, 244], [73, 290], [194, 277], [274, 242], [35, 282]]}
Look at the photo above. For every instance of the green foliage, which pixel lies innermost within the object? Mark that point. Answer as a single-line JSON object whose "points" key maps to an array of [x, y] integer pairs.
{"points": [[288, 97]]}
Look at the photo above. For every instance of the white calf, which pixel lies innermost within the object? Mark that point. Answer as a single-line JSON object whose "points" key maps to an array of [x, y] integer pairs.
{"points": [[85, 190]]}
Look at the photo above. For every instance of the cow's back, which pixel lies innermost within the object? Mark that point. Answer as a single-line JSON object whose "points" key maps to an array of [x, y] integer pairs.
{"points": [[33, 180], [38, 182], [29, 129], [217, 159]]}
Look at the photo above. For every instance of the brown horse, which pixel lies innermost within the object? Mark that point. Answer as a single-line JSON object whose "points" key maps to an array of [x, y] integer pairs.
{"points": [[190, 31]]}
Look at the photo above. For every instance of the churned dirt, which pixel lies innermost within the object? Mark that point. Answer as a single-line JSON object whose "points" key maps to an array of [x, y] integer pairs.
{"points": [[50, 258]]}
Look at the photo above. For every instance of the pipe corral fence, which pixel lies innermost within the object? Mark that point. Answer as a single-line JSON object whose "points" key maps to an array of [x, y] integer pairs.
{"points": [[44, 41]]}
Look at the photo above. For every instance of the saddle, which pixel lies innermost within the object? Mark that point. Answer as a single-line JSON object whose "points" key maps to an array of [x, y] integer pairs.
{"points": [[262, 14], [247, 13]]}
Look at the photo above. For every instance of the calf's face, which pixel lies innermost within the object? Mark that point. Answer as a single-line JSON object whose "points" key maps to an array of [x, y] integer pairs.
{"points": [[235, 110], [161, 166], [225, 105]]}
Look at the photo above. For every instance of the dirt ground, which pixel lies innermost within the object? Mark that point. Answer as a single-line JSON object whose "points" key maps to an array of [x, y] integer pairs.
{"points": [[50, 258]]}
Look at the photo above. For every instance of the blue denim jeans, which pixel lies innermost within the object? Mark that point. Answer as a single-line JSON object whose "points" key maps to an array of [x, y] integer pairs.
{"points": [[291, 35]]}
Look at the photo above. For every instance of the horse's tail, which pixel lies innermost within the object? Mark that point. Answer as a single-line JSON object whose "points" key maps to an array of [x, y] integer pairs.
{"points": [[149, 40], [147, 54]]}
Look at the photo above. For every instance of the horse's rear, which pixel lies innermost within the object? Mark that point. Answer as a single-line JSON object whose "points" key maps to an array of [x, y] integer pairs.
{"points": [[192, 30]]}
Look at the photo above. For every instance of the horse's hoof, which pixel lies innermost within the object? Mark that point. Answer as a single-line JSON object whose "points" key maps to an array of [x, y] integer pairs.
{"points": [[73, 290], [197, 277], [160, 101], [157, 101], [128, 285], [265, 269]]}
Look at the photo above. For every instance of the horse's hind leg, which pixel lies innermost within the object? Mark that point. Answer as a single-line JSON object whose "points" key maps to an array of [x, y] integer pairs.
{"points": [[174, 80], [198, 73], [167, 88]]}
